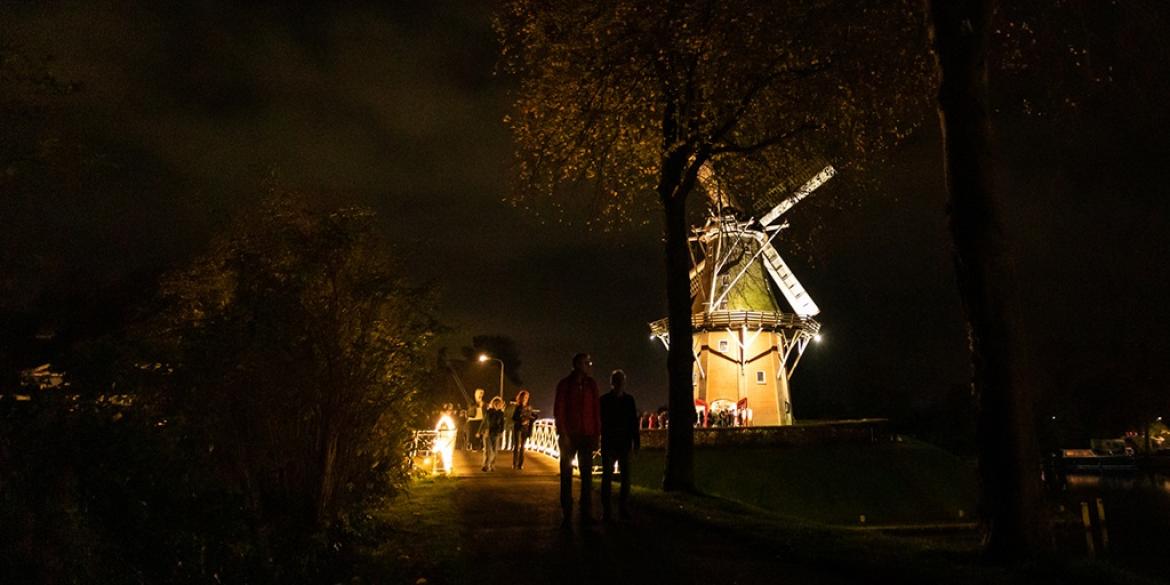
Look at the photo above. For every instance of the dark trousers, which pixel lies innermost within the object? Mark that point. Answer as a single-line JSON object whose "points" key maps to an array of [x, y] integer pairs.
{"points": [[519, 439], [473, 438], [607, 460], [581, 447]]}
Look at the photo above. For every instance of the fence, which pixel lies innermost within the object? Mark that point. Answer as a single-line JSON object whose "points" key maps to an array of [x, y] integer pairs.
{"points": [[543, 440]]}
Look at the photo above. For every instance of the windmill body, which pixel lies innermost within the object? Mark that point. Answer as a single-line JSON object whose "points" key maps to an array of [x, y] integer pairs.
{"points": [[752, 318]]}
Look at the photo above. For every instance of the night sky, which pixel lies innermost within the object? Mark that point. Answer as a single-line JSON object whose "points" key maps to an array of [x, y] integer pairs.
{"points": [[184, 112]]}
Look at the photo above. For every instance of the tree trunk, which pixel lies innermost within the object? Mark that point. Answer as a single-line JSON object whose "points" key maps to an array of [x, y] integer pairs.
{"points": [[1010, 496], [680, 446]]}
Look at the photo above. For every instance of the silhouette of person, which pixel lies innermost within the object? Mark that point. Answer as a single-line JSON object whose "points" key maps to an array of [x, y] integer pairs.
{"points": [[619, 433], [578, 420]]}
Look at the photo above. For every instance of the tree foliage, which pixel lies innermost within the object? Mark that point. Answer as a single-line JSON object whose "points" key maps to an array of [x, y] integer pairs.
{"points": [[619, 100], [608, 90], [291, 354]]}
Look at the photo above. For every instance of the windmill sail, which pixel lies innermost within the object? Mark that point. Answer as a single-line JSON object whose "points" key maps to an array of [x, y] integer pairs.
{"points": [[793, 292], [804, 191]]}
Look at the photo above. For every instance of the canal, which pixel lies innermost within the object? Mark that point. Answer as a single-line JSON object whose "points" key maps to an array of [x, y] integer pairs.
{"points": [[1135, 508]]}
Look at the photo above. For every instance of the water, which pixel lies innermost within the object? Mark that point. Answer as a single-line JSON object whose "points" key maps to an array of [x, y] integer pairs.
{"points": [[1137, 518]]}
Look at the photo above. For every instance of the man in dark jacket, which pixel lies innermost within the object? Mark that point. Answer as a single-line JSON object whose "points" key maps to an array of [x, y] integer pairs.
{"points": [[578, 421], [619, 433]]}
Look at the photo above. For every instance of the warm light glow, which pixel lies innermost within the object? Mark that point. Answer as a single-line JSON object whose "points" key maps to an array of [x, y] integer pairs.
{"points": [[445, 441], [483, 357], [817, 338]]}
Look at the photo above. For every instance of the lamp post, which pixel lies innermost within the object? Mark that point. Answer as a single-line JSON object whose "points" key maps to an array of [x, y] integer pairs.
{"points": [[483, 357]]}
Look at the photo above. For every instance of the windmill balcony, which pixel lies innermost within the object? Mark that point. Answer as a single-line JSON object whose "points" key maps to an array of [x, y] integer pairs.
{"points": [[767, 320]]}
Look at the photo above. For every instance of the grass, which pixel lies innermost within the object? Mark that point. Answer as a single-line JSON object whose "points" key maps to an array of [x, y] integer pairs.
{"points": [[907, 482], [416, 536], [870, 557]]}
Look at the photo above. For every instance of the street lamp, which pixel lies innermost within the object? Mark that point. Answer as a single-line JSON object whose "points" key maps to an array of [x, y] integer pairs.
{"points": [[483, 357]]}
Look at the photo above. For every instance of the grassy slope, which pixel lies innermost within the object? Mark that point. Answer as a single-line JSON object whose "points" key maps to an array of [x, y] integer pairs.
{"points": [[893, 483], [419, 536]]}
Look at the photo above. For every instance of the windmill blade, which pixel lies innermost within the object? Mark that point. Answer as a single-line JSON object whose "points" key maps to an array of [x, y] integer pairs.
{"points": [[793, 292], [804, 191]]}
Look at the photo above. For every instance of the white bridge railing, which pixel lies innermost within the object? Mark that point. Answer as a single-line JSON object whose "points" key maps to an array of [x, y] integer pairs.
{"points": [[544, 438]]}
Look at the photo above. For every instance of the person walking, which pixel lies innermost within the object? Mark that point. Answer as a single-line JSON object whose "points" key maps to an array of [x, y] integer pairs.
{"points": [[475, 416], [619, 433], [493, 428], [578, 419], [522, 418]]}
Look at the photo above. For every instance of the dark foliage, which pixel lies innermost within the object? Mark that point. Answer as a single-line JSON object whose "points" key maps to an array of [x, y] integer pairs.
{"points": [[261, 409]]}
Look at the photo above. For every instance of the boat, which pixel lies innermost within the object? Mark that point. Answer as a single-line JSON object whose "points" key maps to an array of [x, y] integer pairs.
{"points": [[1091, 461]]}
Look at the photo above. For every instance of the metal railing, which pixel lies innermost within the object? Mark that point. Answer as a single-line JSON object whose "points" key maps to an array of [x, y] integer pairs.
{"points": [[750, 319], [543, 440]]}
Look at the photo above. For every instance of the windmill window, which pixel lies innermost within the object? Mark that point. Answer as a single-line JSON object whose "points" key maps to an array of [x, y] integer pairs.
{"points": [[761, 378], [723, 345]]}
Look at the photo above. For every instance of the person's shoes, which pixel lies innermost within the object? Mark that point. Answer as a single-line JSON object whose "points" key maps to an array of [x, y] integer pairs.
{"points": [[484, 468], [492, 468]]}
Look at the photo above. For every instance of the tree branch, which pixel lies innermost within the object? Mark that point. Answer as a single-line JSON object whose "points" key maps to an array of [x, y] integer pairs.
{"points": [[731, 147], [762, 83]]}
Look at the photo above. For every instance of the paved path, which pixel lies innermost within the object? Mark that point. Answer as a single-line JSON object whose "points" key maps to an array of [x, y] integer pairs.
{"points": [[511, 534]]}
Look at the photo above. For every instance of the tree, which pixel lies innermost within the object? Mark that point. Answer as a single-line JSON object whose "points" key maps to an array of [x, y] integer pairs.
{"points": [[621, 99], [1010, 497], [293, 350]]}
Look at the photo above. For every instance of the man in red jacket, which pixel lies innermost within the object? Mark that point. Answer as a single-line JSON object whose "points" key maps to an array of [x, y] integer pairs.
{"points": [[578, 418]]}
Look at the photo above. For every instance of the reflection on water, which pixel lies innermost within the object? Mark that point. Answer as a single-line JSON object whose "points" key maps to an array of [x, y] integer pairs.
{"points": [[1136, 511], [1127, 482]]}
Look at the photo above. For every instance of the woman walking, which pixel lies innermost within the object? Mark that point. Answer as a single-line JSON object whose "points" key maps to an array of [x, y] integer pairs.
{"points": [[493, 427], [522, 419]]}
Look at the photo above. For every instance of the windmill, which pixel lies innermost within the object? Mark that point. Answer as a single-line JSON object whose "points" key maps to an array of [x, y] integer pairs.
{"points": [[752, 318]]}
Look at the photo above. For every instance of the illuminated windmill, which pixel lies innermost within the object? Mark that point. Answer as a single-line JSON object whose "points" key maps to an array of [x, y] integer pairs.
{"points": [[752, 319]]}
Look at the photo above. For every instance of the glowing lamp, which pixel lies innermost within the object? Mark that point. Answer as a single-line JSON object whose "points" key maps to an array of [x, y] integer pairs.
{"points": [[445, 442]]}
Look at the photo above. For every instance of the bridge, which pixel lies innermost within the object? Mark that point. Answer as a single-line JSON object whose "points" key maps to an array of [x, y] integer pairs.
{"points": [[438, 451]]}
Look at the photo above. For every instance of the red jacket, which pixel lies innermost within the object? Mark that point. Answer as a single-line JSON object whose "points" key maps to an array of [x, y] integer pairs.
{"points": [[577, 410]]}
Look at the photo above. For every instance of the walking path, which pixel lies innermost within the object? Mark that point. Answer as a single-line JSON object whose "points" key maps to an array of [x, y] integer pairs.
{"points": [[510, 533]]}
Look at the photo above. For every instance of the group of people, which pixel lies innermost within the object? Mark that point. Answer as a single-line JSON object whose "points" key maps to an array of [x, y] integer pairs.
{"points": [[583, 417], [486, 425]]}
